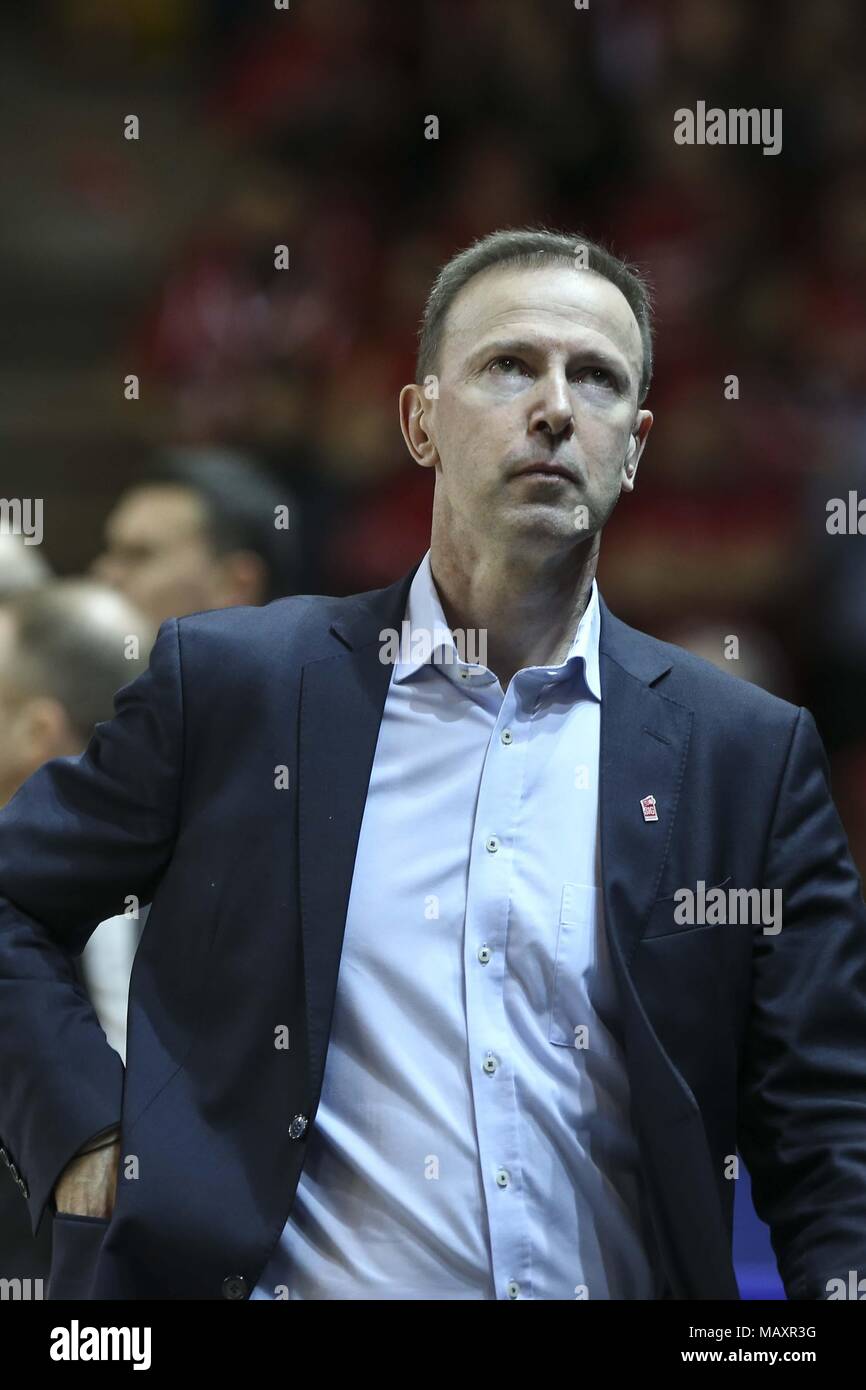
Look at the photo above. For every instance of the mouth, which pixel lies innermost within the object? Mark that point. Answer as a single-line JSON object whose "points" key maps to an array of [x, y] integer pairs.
{"points": [[546, 470]]}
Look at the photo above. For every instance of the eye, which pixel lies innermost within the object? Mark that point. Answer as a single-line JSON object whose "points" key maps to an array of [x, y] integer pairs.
{"points": [[507, 365], [599, 376]]}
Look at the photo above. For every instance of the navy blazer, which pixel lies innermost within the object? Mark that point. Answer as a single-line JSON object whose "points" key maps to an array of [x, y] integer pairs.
{"points": [[734, 1039]]}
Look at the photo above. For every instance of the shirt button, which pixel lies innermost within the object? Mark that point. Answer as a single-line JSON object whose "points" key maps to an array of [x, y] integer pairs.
{"points": [[490, 1064], [491, 844], [513, 1289], [235, 1286], [297, 1127], [502, 1178], [507, 736], [484, 954]]}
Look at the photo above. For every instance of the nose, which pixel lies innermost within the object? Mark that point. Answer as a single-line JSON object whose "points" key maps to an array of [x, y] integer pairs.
{"points": [[553, 413]]}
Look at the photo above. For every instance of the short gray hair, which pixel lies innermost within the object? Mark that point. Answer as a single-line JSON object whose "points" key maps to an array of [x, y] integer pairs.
{"points": [[533, 247], [70, 644]]}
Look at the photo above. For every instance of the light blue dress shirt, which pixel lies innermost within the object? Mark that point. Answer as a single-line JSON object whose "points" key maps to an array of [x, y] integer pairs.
{"points": [[473, 1138]]}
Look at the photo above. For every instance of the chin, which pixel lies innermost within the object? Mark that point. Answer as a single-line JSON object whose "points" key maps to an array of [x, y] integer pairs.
{"points": [[549, 526]]}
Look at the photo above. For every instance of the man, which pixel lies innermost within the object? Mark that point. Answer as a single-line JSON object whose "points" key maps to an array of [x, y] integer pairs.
{"points": [[65, 648], [204, 528], [457, 881], [22, 566]]}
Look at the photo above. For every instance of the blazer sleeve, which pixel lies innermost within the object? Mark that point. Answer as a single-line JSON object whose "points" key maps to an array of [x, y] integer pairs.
{"points": [[802, 1097], [77, 838]]}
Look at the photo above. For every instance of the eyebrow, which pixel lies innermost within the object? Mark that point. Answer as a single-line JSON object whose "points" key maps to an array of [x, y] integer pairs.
{"points": [[517, 347]]}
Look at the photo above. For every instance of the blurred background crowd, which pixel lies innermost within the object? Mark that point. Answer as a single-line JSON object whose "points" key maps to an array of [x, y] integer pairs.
{"points": [[305, 127]]}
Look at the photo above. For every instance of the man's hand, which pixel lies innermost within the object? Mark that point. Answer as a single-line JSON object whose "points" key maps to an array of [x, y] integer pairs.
{"points": [[88, 1184]]}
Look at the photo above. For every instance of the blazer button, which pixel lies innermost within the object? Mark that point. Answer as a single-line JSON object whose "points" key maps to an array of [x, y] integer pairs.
{"points": [[235, 1286], [297, 1127]]}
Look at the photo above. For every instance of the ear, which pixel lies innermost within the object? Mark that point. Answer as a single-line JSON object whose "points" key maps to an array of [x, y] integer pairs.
{"points": [[43, 731], [416, 422], [242, 579], [637, 440]]}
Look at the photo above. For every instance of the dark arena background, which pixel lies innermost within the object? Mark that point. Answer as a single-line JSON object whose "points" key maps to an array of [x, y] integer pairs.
{"points": [[221, 222]]}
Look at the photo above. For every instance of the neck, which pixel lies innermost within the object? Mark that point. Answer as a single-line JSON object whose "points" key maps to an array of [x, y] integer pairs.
{"points": [[527, 609]]}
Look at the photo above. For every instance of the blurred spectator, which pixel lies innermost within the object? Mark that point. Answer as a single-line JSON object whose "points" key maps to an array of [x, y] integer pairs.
{"points": [[65, 649], [201, 531], [21, 566]]}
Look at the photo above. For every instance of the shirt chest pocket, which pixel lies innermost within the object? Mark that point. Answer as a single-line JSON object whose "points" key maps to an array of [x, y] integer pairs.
{"points": [[575, 967]]}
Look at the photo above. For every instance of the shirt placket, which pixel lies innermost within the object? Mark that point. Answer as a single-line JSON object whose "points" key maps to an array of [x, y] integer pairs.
{"points": [[489, 886]]}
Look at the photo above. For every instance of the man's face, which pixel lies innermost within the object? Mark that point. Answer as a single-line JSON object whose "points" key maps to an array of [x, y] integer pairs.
{"points": [[536, 366], [158, 555], [33, 726], [12, 762]]}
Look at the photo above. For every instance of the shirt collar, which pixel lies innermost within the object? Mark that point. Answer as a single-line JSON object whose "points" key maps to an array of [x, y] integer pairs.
{"points": [[425, 639]]}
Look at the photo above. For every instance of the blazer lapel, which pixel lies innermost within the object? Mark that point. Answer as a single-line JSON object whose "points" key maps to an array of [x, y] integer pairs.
{"points": [[341, 703], [644, 742]]}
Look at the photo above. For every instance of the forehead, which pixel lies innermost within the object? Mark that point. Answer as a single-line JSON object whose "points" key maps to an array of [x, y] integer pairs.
{"points": [[557, 305], [163, 509]]}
